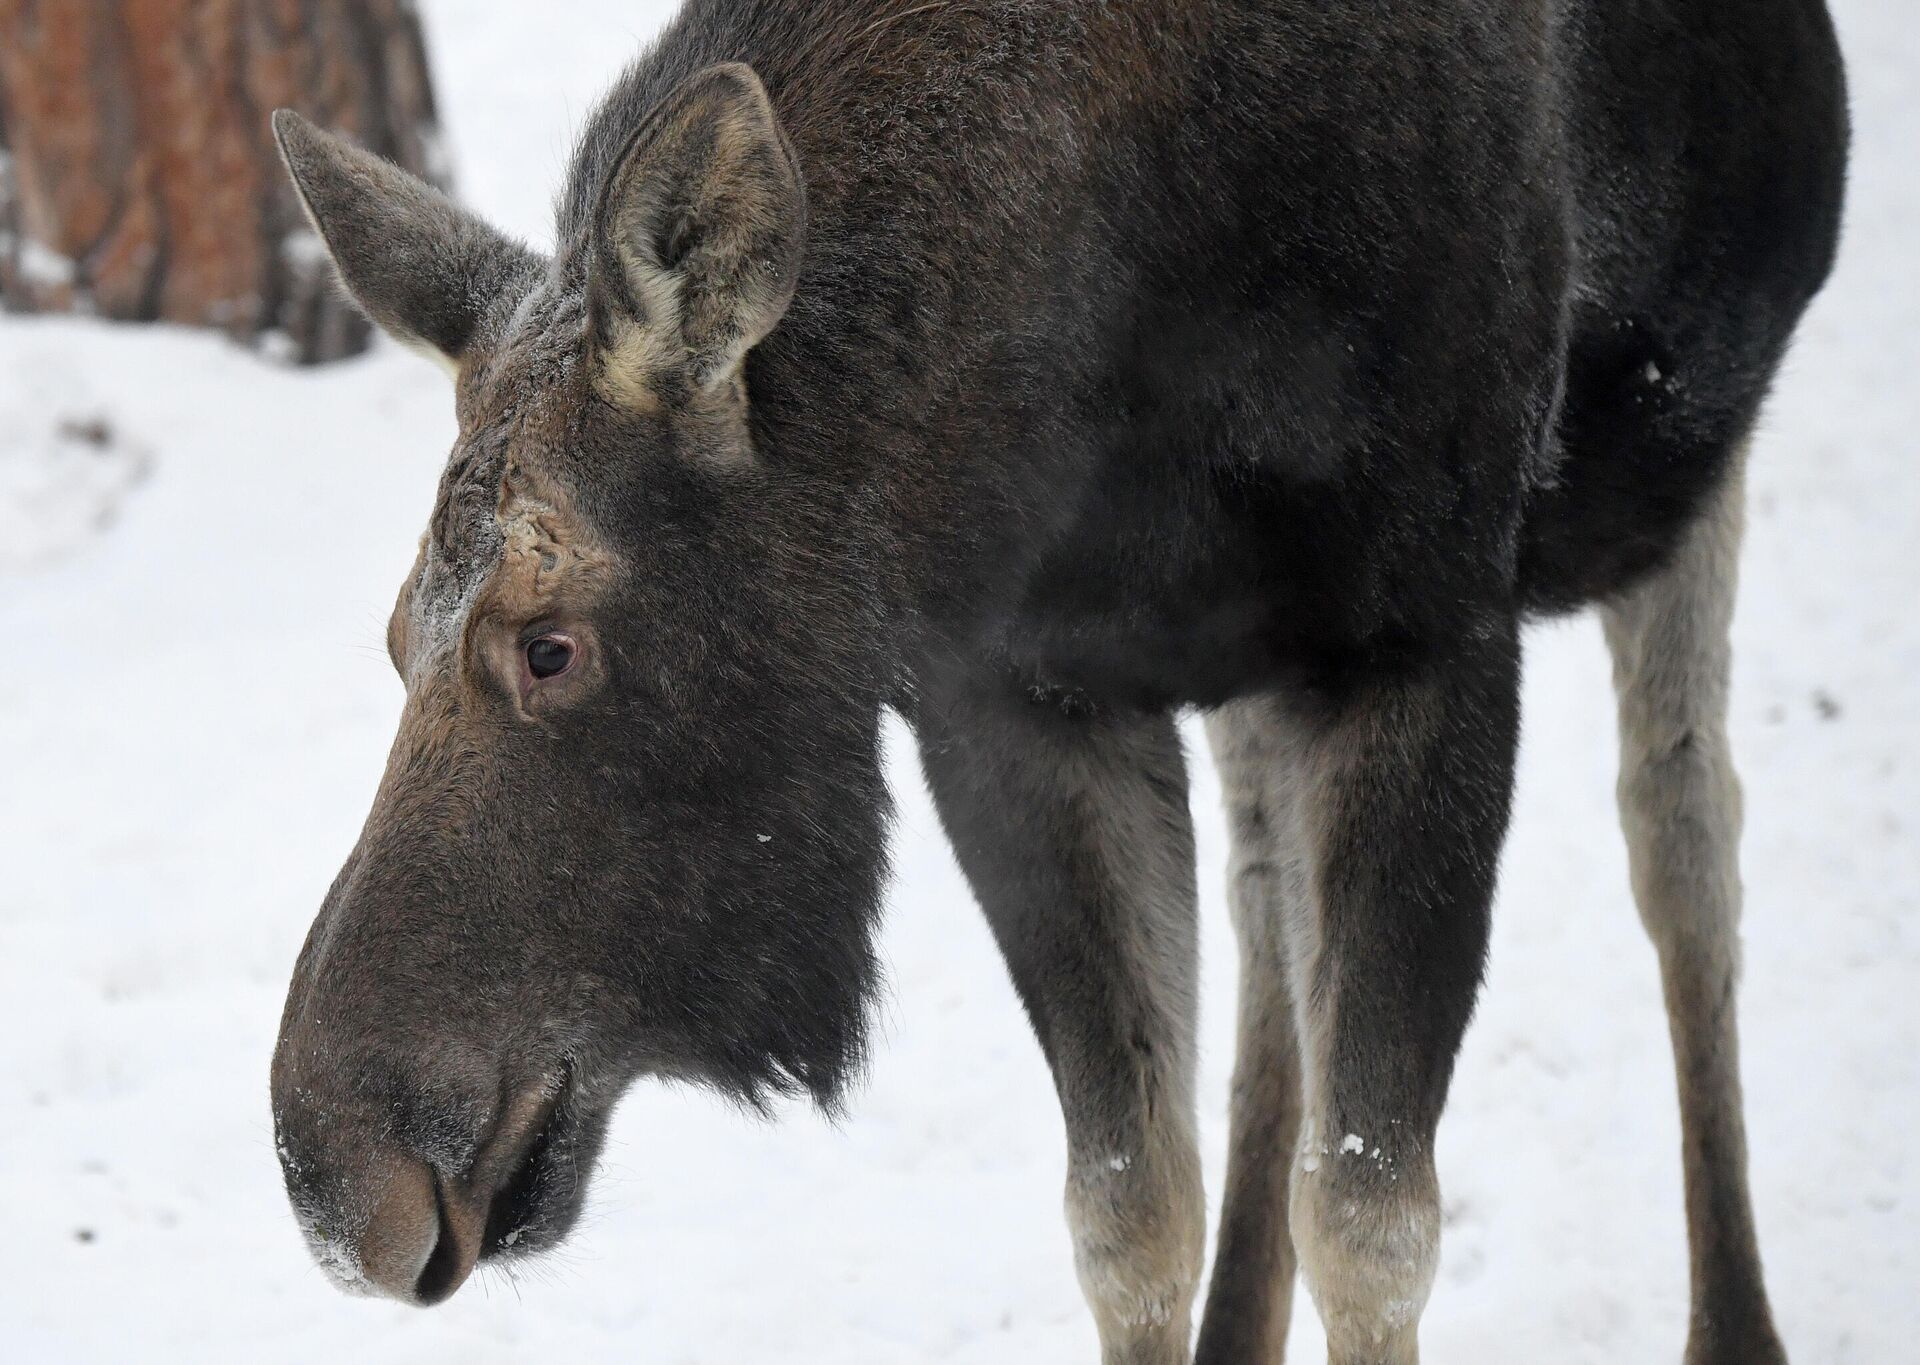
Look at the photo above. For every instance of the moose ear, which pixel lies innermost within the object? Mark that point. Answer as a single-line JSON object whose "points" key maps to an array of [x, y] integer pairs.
{"points": [[425, 270], [696, 238]]}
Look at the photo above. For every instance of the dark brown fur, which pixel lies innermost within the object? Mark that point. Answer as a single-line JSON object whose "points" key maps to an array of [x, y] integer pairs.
{"points": [[1039, 369]]}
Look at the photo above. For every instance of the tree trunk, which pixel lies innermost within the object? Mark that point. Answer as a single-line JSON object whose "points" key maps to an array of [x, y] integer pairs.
{"points": [[138, 176]]}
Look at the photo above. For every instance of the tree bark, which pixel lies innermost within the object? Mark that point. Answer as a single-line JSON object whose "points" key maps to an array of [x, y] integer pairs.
{"points": [[138, 175]]}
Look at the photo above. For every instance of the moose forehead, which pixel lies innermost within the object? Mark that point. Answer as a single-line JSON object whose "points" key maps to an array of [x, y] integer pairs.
{"points": [[505, 521]]}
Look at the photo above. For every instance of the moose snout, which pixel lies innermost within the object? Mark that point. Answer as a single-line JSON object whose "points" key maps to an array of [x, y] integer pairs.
{"points": [[415, 1244], [402, 1195]]}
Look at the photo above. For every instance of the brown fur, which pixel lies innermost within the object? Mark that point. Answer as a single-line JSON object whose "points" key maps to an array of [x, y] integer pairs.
{"points": [[1680, 807], [1037, 369], [1250, 1301]]}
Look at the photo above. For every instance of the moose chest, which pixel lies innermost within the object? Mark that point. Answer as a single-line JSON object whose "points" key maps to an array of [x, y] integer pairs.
{"points": [[1182, 578]]}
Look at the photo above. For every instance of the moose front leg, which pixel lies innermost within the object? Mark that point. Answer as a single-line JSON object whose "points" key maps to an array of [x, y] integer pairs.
{"points": [[1404, 784], [1071, 824]]}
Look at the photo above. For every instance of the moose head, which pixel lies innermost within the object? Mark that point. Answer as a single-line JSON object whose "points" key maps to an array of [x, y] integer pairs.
{"points": [[633, 820]]}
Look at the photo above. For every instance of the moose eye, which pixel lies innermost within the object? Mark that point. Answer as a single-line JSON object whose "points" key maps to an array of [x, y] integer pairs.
{"points": [[550, 656]]}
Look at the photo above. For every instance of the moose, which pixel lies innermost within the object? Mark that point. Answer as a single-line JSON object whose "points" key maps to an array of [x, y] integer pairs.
{"points": [[1041, 372]]}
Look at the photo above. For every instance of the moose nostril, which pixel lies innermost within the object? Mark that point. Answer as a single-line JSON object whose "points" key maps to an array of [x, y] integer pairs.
{"points": [[417, 1246], [427, 1228], [445, 1267]]}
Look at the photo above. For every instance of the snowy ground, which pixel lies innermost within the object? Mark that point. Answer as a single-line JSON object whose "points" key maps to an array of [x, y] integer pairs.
{"points": [[199, 706]]}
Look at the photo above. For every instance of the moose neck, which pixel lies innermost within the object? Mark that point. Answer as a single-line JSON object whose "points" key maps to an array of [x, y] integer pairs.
{"points": [[926, 373]]}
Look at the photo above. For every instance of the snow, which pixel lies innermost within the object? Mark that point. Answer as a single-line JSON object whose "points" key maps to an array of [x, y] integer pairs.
{"points": [[197, 711], [40, 264], [303, 250], [66, 469]]}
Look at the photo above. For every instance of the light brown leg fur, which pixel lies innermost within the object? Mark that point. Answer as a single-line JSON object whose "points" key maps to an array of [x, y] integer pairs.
{"points": [[1073, 829], [1250, 1301], [1368, 818], [1680, 807]]}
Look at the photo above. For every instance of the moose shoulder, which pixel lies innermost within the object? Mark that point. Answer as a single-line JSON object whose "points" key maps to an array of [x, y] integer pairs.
{"points": [[1038, 370]]}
